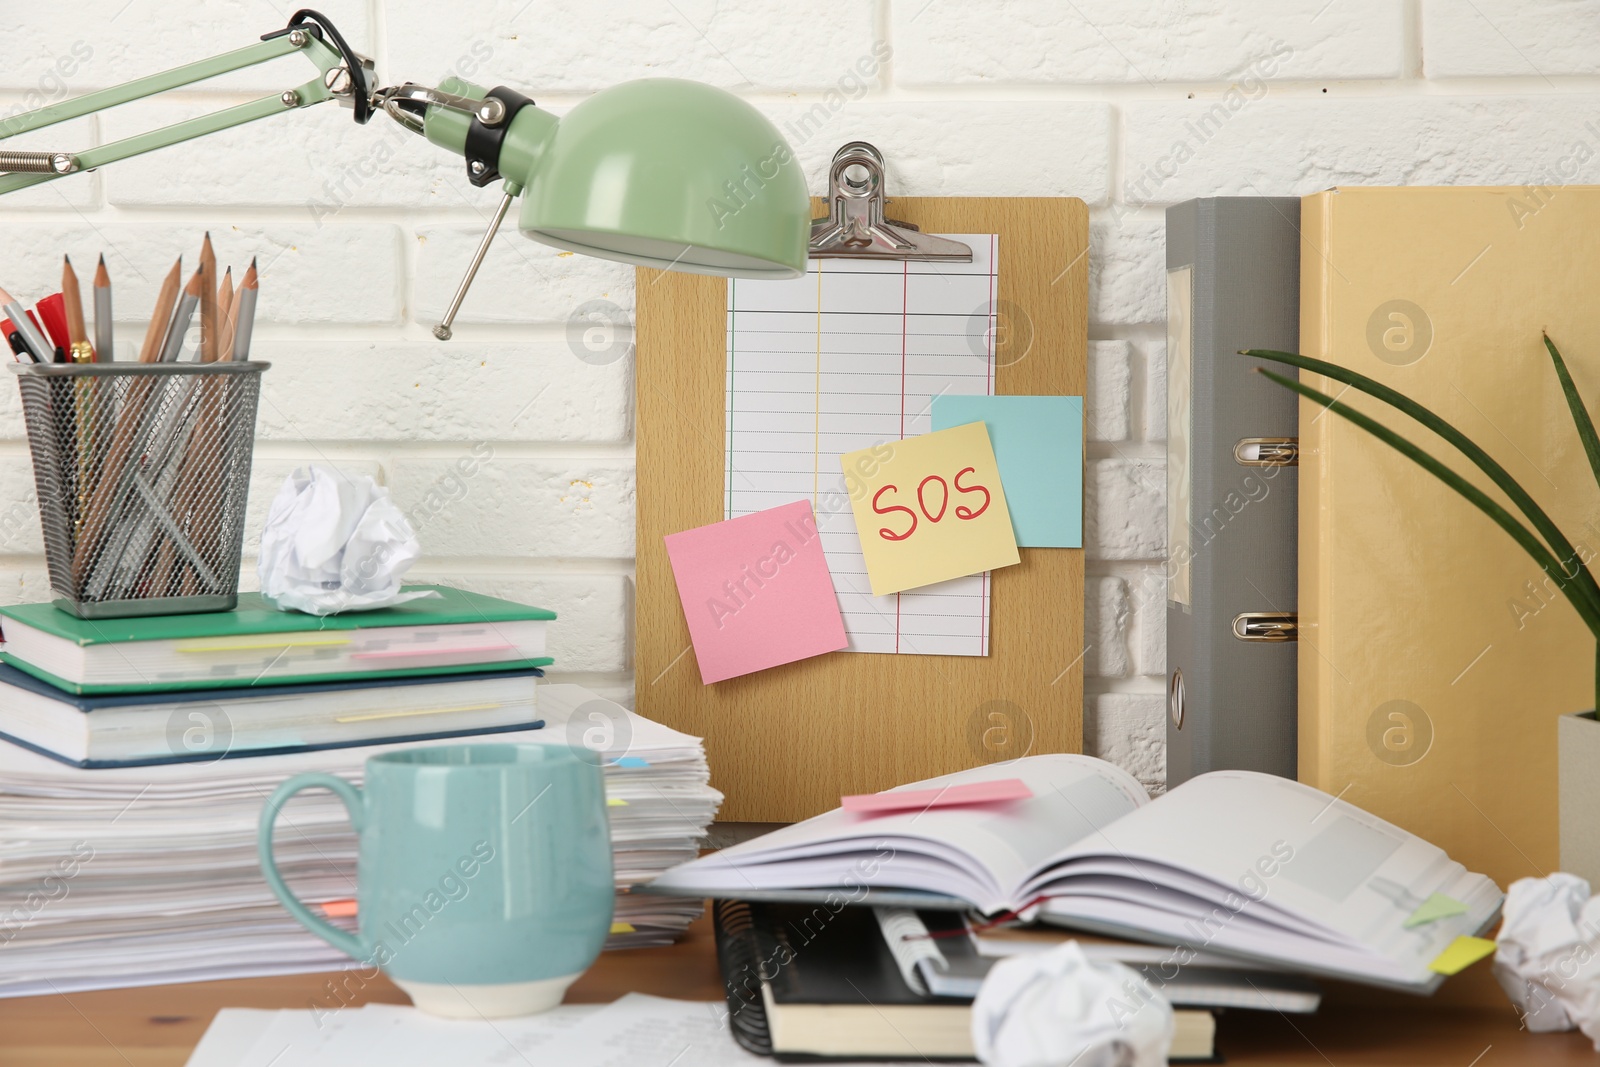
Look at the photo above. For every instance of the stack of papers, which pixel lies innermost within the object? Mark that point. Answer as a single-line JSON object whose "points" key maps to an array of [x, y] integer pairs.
{"points": [[635, 1030], [147, 875]]}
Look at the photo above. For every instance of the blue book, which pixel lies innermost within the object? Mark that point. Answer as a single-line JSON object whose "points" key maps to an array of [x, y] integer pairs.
{"points": [[206, 725]]}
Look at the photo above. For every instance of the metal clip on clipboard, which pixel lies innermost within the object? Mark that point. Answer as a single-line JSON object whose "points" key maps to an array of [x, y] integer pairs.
{"points": [[855, 227]]}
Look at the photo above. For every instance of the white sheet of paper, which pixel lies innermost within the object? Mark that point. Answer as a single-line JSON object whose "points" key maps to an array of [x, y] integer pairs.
{"points": [[289, 1039], [646, 1031], [390, 1035], [849, 356], [229, 1037], [386, 1034], [635, 1031]]}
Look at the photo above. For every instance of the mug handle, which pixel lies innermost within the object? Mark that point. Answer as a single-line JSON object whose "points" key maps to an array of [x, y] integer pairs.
{"points": [[350, 944]]}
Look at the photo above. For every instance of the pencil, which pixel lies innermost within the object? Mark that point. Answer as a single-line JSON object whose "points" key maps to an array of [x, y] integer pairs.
{"points": [[38, 345], [181, 319], [102, 314], [208, 302], [224, 313], [78, 348], [244, 311], [230, 339], [161, 315]]}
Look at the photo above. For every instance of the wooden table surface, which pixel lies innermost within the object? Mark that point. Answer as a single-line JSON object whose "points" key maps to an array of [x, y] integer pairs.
{"points": [[159, 1025]]}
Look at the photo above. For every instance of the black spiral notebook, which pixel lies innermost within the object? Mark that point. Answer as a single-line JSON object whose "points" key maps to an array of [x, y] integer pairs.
{"points": [[809, 983]]}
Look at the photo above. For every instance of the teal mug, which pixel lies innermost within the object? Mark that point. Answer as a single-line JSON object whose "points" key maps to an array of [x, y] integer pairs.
{"points": [[483, 880]]}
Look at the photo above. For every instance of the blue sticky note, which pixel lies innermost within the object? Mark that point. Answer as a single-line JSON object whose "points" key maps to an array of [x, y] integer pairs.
{"points": [[631, 761], [1038, 444]]}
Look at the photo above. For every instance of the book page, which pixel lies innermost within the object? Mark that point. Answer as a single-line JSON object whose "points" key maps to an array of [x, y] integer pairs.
{"points": [[847, 357], [1273, 852], [980, 853]]}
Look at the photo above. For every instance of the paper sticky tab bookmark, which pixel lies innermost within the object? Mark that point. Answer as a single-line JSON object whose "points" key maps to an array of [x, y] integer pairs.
{"points": [[923, 799], [616, 802], [1433, 909], [630, 761], [338, 909], [622, 928], [1460, 954]]}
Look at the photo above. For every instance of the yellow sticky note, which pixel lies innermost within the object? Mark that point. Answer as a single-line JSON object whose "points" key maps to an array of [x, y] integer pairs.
{"points": [[1460, 954], [929, 508], [616, 802], [622, 928]]}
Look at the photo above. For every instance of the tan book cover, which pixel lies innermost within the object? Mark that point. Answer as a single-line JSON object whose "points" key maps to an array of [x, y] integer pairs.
{"points": [[1435, 658]]}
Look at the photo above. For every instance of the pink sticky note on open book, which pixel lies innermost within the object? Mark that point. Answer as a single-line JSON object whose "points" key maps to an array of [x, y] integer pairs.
{"points": [[945, 797]]}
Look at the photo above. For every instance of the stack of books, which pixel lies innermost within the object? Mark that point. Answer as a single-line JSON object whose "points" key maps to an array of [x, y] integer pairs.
{"points": [[1233, 891], [141, 752]]}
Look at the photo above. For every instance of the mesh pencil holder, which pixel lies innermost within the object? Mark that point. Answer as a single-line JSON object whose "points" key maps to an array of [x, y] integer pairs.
{"points": [[142, 471]]}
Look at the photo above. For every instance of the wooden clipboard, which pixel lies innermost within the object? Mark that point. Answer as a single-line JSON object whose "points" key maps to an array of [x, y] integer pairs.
{"points": [[786, 743]]}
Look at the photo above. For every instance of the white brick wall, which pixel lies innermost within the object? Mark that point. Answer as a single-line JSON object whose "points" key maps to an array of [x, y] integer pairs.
{"points": [[516, 456]]}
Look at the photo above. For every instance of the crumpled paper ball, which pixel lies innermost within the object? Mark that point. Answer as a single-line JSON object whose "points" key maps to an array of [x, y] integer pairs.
{"points": [[1547, 956], [335, 543], [1060, 1007]]}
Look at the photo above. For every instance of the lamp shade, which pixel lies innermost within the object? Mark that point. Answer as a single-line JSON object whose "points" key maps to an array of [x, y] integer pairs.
{"points": [[671, 174]]}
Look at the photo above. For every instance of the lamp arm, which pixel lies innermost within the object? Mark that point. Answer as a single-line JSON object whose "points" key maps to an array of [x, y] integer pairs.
{"points": [[19, 170], [345, 75]]}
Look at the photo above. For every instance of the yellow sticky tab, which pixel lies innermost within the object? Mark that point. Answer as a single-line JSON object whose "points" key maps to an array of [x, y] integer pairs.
{"points": [[616, 802], [929, 508], [1460, 954], [622, 928], [1435, 908], [253, 646]]}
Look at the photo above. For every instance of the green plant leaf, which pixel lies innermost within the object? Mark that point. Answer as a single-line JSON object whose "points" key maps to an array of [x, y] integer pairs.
{"points": [[1483, 501], [1580, 414], [1560, 546]]}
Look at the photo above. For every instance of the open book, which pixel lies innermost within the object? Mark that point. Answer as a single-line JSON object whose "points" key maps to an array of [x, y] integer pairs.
{"points": [[1233, 862]]}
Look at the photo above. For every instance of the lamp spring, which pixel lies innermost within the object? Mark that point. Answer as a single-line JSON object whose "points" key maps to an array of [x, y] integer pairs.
{"points": [[37, 163]]}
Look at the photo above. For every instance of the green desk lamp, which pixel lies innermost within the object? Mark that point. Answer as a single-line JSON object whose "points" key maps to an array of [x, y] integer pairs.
{"points": [[660, 173]]}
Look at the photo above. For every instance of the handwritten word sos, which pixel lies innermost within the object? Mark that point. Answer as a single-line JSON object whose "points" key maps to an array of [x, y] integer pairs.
{"points": [[933, 500]]}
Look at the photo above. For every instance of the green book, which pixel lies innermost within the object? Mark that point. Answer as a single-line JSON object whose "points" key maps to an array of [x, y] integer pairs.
{"points": [[256, 644]]}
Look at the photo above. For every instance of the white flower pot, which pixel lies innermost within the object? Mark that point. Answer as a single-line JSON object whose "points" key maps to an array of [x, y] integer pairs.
{"points": [[1578, 755]]}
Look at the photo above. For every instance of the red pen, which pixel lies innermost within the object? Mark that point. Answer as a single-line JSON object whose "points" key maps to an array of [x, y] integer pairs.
{"points": [[52, 312]]}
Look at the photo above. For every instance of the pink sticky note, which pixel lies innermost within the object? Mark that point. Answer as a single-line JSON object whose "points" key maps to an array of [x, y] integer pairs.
{"points": [[756, 591], [947, 797]]}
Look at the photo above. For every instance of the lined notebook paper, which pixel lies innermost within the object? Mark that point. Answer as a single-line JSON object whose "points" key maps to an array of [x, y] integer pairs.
{"points": [[849, 356]]}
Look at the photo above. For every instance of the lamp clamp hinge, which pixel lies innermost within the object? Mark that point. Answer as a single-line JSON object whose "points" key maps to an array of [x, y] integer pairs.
{"points": [[350, 83], [408, 105], [491, 117]]}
